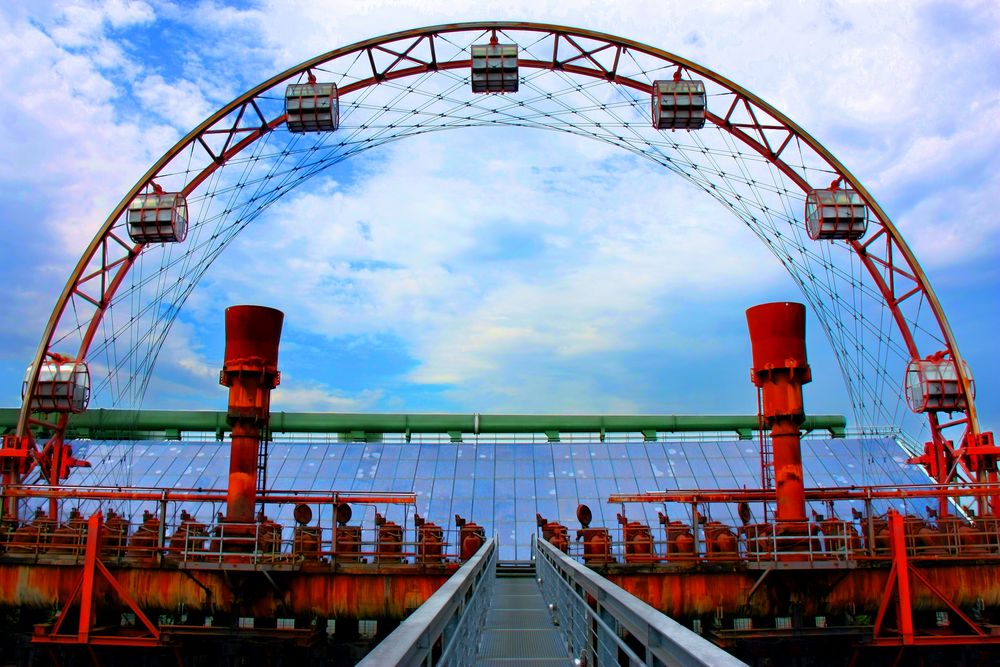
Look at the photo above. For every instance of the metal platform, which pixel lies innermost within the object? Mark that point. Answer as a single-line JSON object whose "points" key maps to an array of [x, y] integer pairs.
{"points": [[519, 628]]}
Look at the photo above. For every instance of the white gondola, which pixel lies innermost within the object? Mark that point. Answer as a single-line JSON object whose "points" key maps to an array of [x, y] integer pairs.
{"points": [[312, 107], [494, 68], [679, 105], [159, 217], [835, 213], [63, 386], [932, 385]]}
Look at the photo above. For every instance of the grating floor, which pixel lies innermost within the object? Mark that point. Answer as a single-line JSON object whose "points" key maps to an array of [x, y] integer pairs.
{"points": [[519, 629]]}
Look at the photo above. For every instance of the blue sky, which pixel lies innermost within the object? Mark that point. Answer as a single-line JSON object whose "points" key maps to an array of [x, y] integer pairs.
{"points": [[435, 293]]}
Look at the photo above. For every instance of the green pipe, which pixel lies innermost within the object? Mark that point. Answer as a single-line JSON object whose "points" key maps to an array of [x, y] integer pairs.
{"points": [[105, 424]]}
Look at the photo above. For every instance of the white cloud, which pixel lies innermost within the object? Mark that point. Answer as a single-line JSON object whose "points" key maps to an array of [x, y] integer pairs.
{"points": [[180, 102], [311, 396], [955, 224], [73, 150], [482, 294], [187, 377], [122, 14]]}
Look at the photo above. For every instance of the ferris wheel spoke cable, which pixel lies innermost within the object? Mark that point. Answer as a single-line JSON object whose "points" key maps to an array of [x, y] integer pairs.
{"points": [[833, 279]]}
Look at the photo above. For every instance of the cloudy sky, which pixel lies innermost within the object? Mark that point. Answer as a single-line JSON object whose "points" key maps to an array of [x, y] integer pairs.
{"points": [[562, 289]]}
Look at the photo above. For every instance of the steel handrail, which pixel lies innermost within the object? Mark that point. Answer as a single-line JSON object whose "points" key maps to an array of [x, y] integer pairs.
{"points": [[444, 617], [666, 641]]}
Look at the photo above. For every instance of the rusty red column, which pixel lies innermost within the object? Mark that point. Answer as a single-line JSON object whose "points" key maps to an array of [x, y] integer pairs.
{"points": [[778, 339], [251, 372]]}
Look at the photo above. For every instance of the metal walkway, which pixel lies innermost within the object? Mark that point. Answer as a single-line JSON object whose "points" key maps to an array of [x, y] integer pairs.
{"points": [[519, 628], [491, 616]]}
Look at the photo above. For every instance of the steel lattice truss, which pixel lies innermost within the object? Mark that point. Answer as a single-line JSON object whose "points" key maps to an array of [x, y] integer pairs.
{"points": [[870, 296]]}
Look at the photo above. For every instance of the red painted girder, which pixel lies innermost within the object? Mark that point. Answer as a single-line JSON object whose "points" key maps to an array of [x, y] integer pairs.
{"points": [[846, 493], [174, 495], [936, 640], [97, 640]]}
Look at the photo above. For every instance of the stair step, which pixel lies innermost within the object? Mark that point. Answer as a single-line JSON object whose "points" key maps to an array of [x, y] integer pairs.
{"points": [[517, 568]]}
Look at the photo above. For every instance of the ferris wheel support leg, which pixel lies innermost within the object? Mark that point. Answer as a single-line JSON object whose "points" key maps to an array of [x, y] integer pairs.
{"points": [[9, 507], [53, 477], [18, 457], [979, 455], [11, 475], [993, 499]]}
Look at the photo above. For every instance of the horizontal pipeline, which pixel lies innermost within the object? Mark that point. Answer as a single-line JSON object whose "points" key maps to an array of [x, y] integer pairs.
{"points": [[106, 424]]}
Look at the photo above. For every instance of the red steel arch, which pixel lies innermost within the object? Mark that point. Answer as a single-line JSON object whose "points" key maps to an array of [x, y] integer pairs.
{"points": [[886, 256]]}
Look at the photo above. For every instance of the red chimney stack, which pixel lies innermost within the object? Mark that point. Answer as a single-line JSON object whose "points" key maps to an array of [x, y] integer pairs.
{"points": [[778, 339], [251, 372]]}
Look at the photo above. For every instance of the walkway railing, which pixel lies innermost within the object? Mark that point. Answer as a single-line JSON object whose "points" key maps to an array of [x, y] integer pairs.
{"points": [[445, 629], [596, 617]]}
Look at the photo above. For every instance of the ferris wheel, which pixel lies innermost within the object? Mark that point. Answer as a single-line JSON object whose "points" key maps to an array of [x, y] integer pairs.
{"points": [[897, 354]]}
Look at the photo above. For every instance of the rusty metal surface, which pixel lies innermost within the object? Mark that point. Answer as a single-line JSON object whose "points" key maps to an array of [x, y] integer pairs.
{"points": [[355, 593], [685, 594], [393, 591]]}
